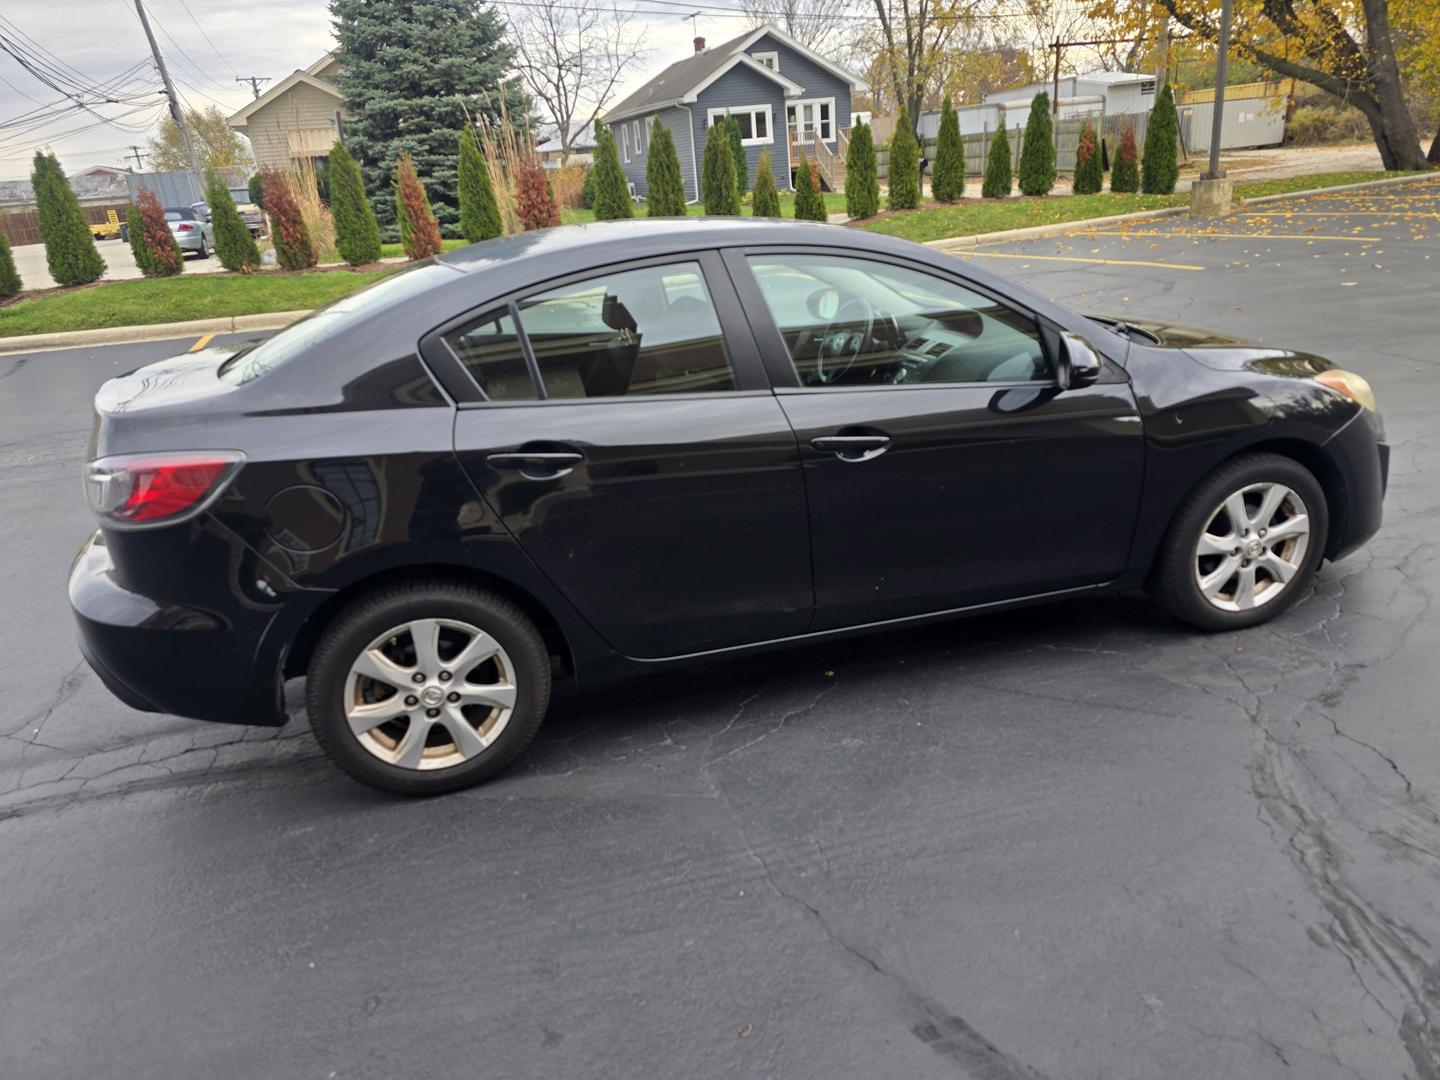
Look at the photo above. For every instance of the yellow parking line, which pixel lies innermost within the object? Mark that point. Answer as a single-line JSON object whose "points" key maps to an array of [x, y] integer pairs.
{"points": [[1237, 235], [1075, 258], [1339, 213], [201, 343]]}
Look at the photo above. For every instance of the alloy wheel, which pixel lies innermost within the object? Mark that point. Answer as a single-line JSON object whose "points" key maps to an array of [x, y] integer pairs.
{"points": [[1253, 544], [429, 694]]}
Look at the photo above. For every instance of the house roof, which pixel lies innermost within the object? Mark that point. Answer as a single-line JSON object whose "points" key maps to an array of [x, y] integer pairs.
{"points": [[294, 79], [682, 81], [582, 139], [88, 187]]}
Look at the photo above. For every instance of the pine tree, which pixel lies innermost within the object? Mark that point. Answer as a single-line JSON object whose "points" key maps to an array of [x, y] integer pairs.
{"points": [[949, 171], [1126, 175], [294, 249], [809, 203], [69, 248], [737, 150], [419, 231], [666, 188], [1089, 178], [612, 190], [257, 191], [1159, 169], [904, 165], [717, 184], [534, 201], [587, 189], [233, 243], [766, 200], [357, 233], [862, 184], [151, 242], [997, 168], [479, 213], [414, 73], [9, 276], [1037, 152]]}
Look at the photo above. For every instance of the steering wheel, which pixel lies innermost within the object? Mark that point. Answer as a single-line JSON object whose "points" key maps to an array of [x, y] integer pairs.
{"points": [[825, 374]]}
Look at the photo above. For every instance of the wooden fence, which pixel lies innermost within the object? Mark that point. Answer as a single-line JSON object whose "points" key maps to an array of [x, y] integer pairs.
{"points": [[23, 226]]}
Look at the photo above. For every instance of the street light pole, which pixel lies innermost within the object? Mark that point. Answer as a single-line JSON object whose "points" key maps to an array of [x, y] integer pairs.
{"points": [[1217, 119]]}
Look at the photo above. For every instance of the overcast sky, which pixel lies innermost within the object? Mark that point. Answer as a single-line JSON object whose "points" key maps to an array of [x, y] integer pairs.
{"points": [[102, 38]]}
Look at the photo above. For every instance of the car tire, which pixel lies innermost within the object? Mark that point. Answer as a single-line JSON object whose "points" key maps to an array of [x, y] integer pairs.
{"points": [[1203, 545], [465, 743], [202, 252]]}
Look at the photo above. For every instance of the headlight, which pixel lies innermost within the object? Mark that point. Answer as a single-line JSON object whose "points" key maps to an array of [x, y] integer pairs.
{"points": [[1350, 385]]}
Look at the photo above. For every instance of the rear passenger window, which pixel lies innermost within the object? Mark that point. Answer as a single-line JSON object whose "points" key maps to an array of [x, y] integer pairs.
{"points": [[490, 350], [648, 331]]}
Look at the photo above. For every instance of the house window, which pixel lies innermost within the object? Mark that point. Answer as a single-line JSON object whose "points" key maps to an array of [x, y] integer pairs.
{"points": [[636, 129], [770, 59], [754, 121], [625, 142], [810, 118]]}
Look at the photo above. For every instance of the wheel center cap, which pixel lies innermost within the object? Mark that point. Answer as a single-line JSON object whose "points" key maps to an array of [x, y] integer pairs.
{"points": [[432, 696], [1254, 548]]}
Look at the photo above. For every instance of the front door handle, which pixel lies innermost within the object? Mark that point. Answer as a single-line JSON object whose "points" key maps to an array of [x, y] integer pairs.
{"points": [[852, 447], [538, 464]]}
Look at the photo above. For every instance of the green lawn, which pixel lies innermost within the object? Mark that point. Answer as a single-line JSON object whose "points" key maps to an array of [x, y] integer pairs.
{"points": [[834, 204], [394, 251], [163, 300], [939, 222]]}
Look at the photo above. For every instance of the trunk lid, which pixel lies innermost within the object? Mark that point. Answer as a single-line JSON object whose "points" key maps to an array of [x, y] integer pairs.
{"points": [[145, 409]]}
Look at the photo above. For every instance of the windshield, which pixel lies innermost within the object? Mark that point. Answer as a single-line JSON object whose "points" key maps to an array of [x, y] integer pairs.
{"points": [[299, 338], [178, 215]]}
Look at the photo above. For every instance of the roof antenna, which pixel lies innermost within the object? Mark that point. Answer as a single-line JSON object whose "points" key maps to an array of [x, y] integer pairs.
{"points": [[694, 26]]}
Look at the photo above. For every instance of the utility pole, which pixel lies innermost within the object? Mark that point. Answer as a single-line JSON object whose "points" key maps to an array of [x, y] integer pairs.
{"points": [[1217, 118], [1055, 97], [135, 153], [254, 81], [175, 110]]}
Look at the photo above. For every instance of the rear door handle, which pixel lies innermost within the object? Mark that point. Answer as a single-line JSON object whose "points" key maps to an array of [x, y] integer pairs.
{"points": [[852, 447], [538, 464]]}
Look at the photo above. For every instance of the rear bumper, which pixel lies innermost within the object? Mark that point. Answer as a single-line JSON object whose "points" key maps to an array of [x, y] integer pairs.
{"points": [[1362, 458], [165, 657]]}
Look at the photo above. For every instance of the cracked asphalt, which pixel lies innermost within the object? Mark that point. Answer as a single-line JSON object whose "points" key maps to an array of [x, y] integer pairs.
{"points": [[1071, 842]]}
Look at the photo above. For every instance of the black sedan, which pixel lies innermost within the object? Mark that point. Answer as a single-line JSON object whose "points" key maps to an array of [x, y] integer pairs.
{"points": [[588, 452]]}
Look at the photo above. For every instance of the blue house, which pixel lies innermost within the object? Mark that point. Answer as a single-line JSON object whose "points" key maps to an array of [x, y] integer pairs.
{"points": [[787, 99]]}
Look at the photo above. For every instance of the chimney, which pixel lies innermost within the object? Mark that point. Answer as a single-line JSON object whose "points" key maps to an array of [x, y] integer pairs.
{"points": [[699, 44]]}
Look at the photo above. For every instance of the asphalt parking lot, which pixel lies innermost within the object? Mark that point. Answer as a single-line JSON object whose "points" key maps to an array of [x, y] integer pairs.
{"points": [[1070, 842]]}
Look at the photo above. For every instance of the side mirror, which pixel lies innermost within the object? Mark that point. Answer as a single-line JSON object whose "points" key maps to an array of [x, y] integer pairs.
{"points": [[1080, 364]]}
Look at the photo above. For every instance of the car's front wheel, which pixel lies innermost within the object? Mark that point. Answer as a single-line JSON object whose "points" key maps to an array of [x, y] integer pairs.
{"points": [[1244, 545], [427, 687]]}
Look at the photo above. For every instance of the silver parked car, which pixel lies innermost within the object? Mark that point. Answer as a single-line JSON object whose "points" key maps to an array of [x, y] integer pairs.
{"points": [[191, 228]]}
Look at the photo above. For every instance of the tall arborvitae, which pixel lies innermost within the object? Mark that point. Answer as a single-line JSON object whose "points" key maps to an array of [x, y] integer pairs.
{"points": [[414, 74], [1089, 177], [479, 213], [1037, 152], [765, 202], [419, 231], [357, 233], [294, 250], [949, 170], [809, 203], [9, 276], [70, 250], [1159, 169], [737, 151], [862, 183], [233, 243], [612, 190], [1125, 177], [152, 244], [665, 194], [997, 168], [904, 165], [717, 184]]}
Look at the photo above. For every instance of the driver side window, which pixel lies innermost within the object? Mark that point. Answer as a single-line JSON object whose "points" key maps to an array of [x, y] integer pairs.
{"points": [[850, 321]]}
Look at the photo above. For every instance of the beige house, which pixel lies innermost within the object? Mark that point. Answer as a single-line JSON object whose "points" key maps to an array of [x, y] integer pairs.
{"points": [[299, 117]]}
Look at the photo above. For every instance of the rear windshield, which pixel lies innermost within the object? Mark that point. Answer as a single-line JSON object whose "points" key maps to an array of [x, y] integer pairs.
{"points": [[299, 338], [179, 215]]}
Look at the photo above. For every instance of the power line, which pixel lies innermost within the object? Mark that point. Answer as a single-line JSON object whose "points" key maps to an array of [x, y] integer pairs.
{"points": [[254, 81], [206, 36]]}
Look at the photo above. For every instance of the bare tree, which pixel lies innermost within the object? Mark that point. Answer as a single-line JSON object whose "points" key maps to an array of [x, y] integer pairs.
{"points": [[571, 57], [816, 24], [912, 38]]}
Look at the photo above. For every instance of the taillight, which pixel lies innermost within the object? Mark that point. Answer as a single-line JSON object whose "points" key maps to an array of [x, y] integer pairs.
{"points": [[184, 228], [132, 491]]}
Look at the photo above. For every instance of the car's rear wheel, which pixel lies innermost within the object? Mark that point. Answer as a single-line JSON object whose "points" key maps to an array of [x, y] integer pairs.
{"points": [[1244, 545], [202, 252], [427, 687]]}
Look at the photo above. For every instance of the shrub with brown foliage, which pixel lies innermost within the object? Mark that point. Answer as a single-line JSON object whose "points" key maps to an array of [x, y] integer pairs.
{"points": [[151, 241], [533, 201], [566, 183], [294, 249], [419, 232]]}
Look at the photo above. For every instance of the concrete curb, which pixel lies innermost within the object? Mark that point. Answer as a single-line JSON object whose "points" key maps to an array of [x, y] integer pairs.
{"points": [[1082, 225], [116, 335]]}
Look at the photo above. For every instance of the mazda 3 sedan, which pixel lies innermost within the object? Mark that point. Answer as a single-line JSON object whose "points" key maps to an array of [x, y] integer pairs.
{"points": [[595, 451]]}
